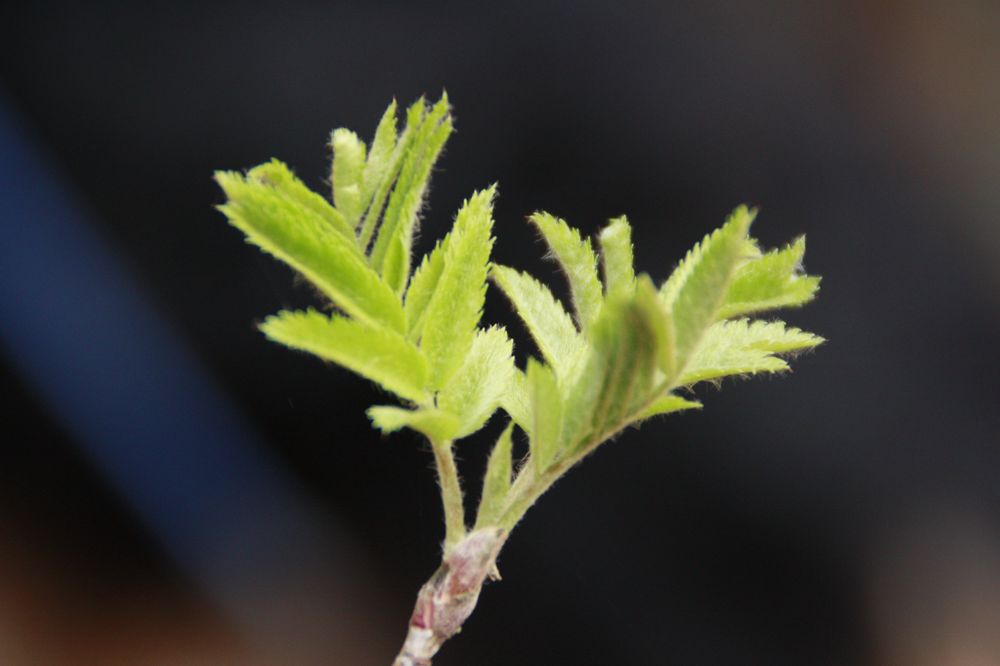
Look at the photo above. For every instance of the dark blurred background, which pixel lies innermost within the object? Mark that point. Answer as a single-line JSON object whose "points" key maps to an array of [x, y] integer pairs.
{"points": [[176, 490]]}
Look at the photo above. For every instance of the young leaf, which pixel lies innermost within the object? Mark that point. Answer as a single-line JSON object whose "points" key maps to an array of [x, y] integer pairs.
{"points": [[742, 347], [348, 174], [576, 256], [474, 391], [455, 308], [548, 323], [391, 253], [516, 401], [422, 287], [381, 355], [298, 236], [392, 166], [437, 425], [628, 337], [396, 266], [770, 282], [668, 404], [496, 484], [581, 398], [407, 149], [616, 253], [379, 162], [546, 414], [276, 175], [695, 291], [659, 321], [630, 345]]}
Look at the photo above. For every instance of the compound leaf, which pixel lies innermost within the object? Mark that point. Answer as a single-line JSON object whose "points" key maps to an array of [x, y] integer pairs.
{"points": [[629, 346]]}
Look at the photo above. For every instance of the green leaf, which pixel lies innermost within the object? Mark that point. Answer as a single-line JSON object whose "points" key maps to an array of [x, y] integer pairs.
{"points": [[742, 347], [550, 326], [658, 320], [379, 163], [576, 256], [667, 405], [279, 177], [457, 302], [616, 253], [418, 335], [496, 484], [546, 414], [396, 266], [407, 147], [474, 391], [769, 282], [516, 401], [697, 288], [437, 425], [581, 398], [627, 338], [391, 168], [381, 355], [399, 253], [293, 232], [391, 253], [422, 287], [348, 174]]}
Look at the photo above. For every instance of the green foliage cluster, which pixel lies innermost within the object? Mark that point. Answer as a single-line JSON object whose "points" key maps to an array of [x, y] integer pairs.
{"points": [[619, 357]]}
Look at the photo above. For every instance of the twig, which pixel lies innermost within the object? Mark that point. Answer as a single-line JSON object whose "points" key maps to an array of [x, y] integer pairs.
{"points": [[449, 597]]}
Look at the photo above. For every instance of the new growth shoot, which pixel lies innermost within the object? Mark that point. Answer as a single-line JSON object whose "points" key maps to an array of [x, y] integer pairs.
{"points": [[627, 350]]}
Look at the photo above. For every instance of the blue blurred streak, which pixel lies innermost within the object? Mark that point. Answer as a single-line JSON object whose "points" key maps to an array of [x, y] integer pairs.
{"points": [[77, 327]]}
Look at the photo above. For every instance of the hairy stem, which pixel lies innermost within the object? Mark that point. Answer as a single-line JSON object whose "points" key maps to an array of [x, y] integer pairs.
{"points": [[451, 494], [530, 484], [449, 597]]}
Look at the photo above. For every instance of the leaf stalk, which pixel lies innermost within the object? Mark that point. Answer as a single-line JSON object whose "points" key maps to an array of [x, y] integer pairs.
{"points": [[451, 493]]}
